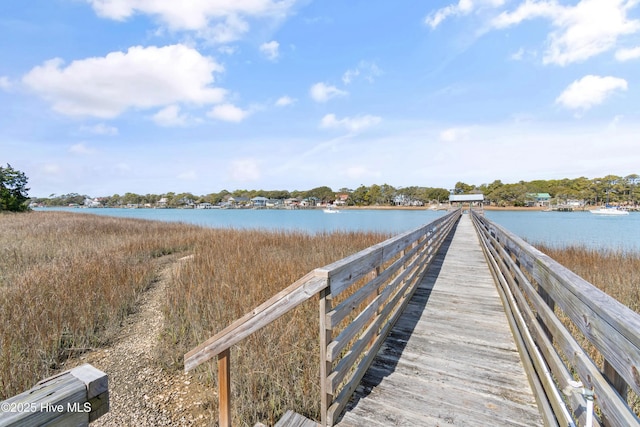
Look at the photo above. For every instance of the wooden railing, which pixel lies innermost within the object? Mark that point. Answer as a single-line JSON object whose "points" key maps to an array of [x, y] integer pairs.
{"points": [[72, 398], [538, 292], [361, 297]]}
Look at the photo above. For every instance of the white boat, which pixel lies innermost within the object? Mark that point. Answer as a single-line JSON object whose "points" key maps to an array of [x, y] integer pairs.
{"points": [[330, 209], [609, 210]]}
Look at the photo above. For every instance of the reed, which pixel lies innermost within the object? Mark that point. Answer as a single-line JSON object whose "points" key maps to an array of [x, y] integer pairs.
{"points": [[615, 272], [276, 368], [67, 282]]}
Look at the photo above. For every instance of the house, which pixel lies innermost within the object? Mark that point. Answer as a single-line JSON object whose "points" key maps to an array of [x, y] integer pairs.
{"points": [[259, 202], [471, 199], [292, 202], [204, 205], [538, 199], [92, 203], [239, 201], [341, 199]]}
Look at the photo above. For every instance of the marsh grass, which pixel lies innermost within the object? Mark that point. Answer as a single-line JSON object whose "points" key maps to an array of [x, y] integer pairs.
{"points": [[615, 272], [276, 368], [68, 281]]}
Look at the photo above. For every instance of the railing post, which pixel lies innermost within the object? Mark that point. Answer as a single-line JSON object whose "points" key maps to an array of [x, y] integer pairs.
{"points": [[224, 388], [325, 366], [618, 383]]}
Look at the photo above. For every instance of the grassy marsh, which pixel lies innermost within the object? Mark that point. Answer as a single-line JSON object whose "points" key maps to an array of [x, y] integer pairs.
{"points": [[69, 280]]}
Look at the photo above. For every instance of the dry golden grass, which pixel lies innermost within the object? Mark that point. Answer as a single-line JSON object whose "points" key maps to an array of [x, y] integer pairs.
{"points": [[278, 367], [67, 281], [615, 272]]}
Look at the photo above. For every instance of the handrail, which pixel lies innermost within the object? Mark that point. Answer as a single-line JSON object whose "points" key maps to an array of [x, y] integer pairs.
{"points": [[387, 274], [76, 397], [536, 288]]}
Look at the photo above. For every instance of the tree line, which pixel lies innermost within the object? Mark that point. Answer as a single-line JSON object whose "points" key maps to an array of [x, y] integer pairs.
{"points": [[612, 188], [623, 190]]}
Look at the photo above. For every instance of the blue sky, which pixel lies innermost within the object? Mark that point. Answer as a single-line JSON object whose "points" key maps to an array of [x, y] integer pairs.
{"points": [[100, 97]]}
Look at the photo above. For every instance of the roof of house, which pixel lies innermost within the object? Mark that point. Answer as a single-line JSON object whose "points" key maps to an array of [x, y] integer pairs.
{"points": [[466, 197]]}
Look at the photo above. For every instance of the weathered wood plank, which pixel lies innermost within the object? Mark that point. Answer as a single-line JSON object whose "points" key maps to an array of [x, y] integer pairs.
{"points": [[293, 419], [566, 289], [74, 397], [450, 358]]}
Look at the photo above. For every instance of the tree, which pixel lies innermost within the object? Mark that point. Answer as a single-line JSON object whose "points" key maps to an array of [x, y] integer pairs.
{"points": [[13, 190]]}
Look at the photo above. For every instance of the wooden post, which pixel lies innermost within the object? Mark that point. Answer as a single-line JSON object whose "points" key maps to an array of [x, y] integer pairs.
{"points": [[224, 388], [325, 367], [618, 383]]}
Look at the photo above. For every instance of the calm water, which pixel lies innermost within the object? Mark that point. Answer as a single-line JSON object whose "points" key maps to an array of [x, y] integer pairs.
{"points": [[556, 228], [569, 228], [309, 220]]}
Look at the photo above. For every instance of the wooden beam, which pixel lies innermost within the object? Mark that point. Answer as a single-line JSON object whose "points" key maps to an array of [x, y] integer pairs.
{"points": [[224, 388]]}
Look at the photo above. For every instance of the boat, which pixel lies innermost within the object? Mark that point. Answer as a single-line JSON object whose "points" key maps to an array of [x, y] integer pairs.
{"points": [[331, 210], [609, 210]]}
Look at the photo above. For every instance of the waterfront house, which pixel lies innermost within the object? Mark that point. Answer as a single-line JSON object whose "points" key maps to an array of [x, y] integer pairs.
{"points": [[259, 202], [538, 199]]}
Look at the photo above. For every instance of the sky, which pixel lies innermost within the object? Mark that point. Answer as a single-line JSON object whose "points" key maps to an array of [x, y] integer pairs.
{"points": [[104, 97]]}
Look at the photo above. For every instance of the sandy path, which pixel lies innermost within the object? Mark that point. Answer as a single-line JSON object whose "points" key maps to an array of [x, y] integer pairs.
{"points": [[141, 393]]}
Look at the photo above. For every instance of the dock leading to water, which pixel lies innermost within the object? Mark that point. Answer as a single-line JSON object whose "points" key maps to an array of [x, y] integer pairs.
{"points": [[451, 358], [457, 322]]}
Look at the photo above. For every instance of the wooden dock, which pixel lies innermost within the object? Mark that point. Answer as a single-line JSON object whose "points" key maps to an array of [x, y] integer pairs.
{"points": [[451, 358]]}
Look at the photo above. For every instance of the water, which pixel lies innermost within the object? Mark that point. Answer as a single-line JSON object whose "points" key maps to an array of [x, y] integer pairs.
{"points": [[573, 228], [308, 220], [553, 228]]}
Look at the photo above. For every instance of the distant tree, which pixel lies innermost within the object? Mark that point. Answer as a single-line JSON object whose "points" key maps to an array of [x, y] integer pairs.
{"points": [[324, 193], [462, 188], [13, 190], [359, 196]]}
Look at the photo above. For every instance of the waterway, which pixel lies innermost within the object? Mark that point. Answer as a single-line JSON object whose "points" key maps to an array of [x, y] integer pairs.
{"points": [[552, 228]]}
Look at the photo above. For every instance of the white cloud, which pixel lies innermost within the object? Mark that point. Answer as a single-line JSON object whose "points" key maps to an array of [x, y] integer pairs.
{"points": [[589, 91], [615, 122], [368, 70], [283, 101], [170, 116], [628, 54], [270, 50], [100, 129], [517, 56], [321, 92], [190, 15], [350, 124], [228, 113], [453, 134], [464, 7], [587, 29], [143, 78], [231, 29], [80, 148], [245, 170], [5, 83]]}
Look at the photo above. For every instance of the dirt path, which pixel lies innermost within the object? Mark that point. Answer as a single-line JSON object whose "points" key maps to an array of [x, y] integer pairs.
{"points": [[141, 393]]}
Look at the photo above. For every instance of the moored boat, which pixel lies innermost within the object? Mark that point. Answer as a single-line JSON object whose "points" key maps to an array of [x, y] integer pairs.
{"points": [[609, 210]]}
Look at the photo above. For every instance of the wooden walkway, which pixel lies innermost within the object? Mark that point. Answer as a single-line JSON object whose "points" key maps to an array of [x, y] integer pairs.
{"points": [[451, 358]]}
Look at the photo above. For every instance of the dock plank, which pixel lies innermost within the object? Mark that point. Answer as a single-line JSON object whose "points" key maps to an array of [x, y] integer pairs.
{"points": [[451, 358]]}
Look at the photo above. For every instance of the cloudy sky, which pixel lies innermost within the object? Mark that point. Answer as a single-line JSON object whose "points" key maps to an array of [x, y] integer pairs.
{"points": [[100, 97]]}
